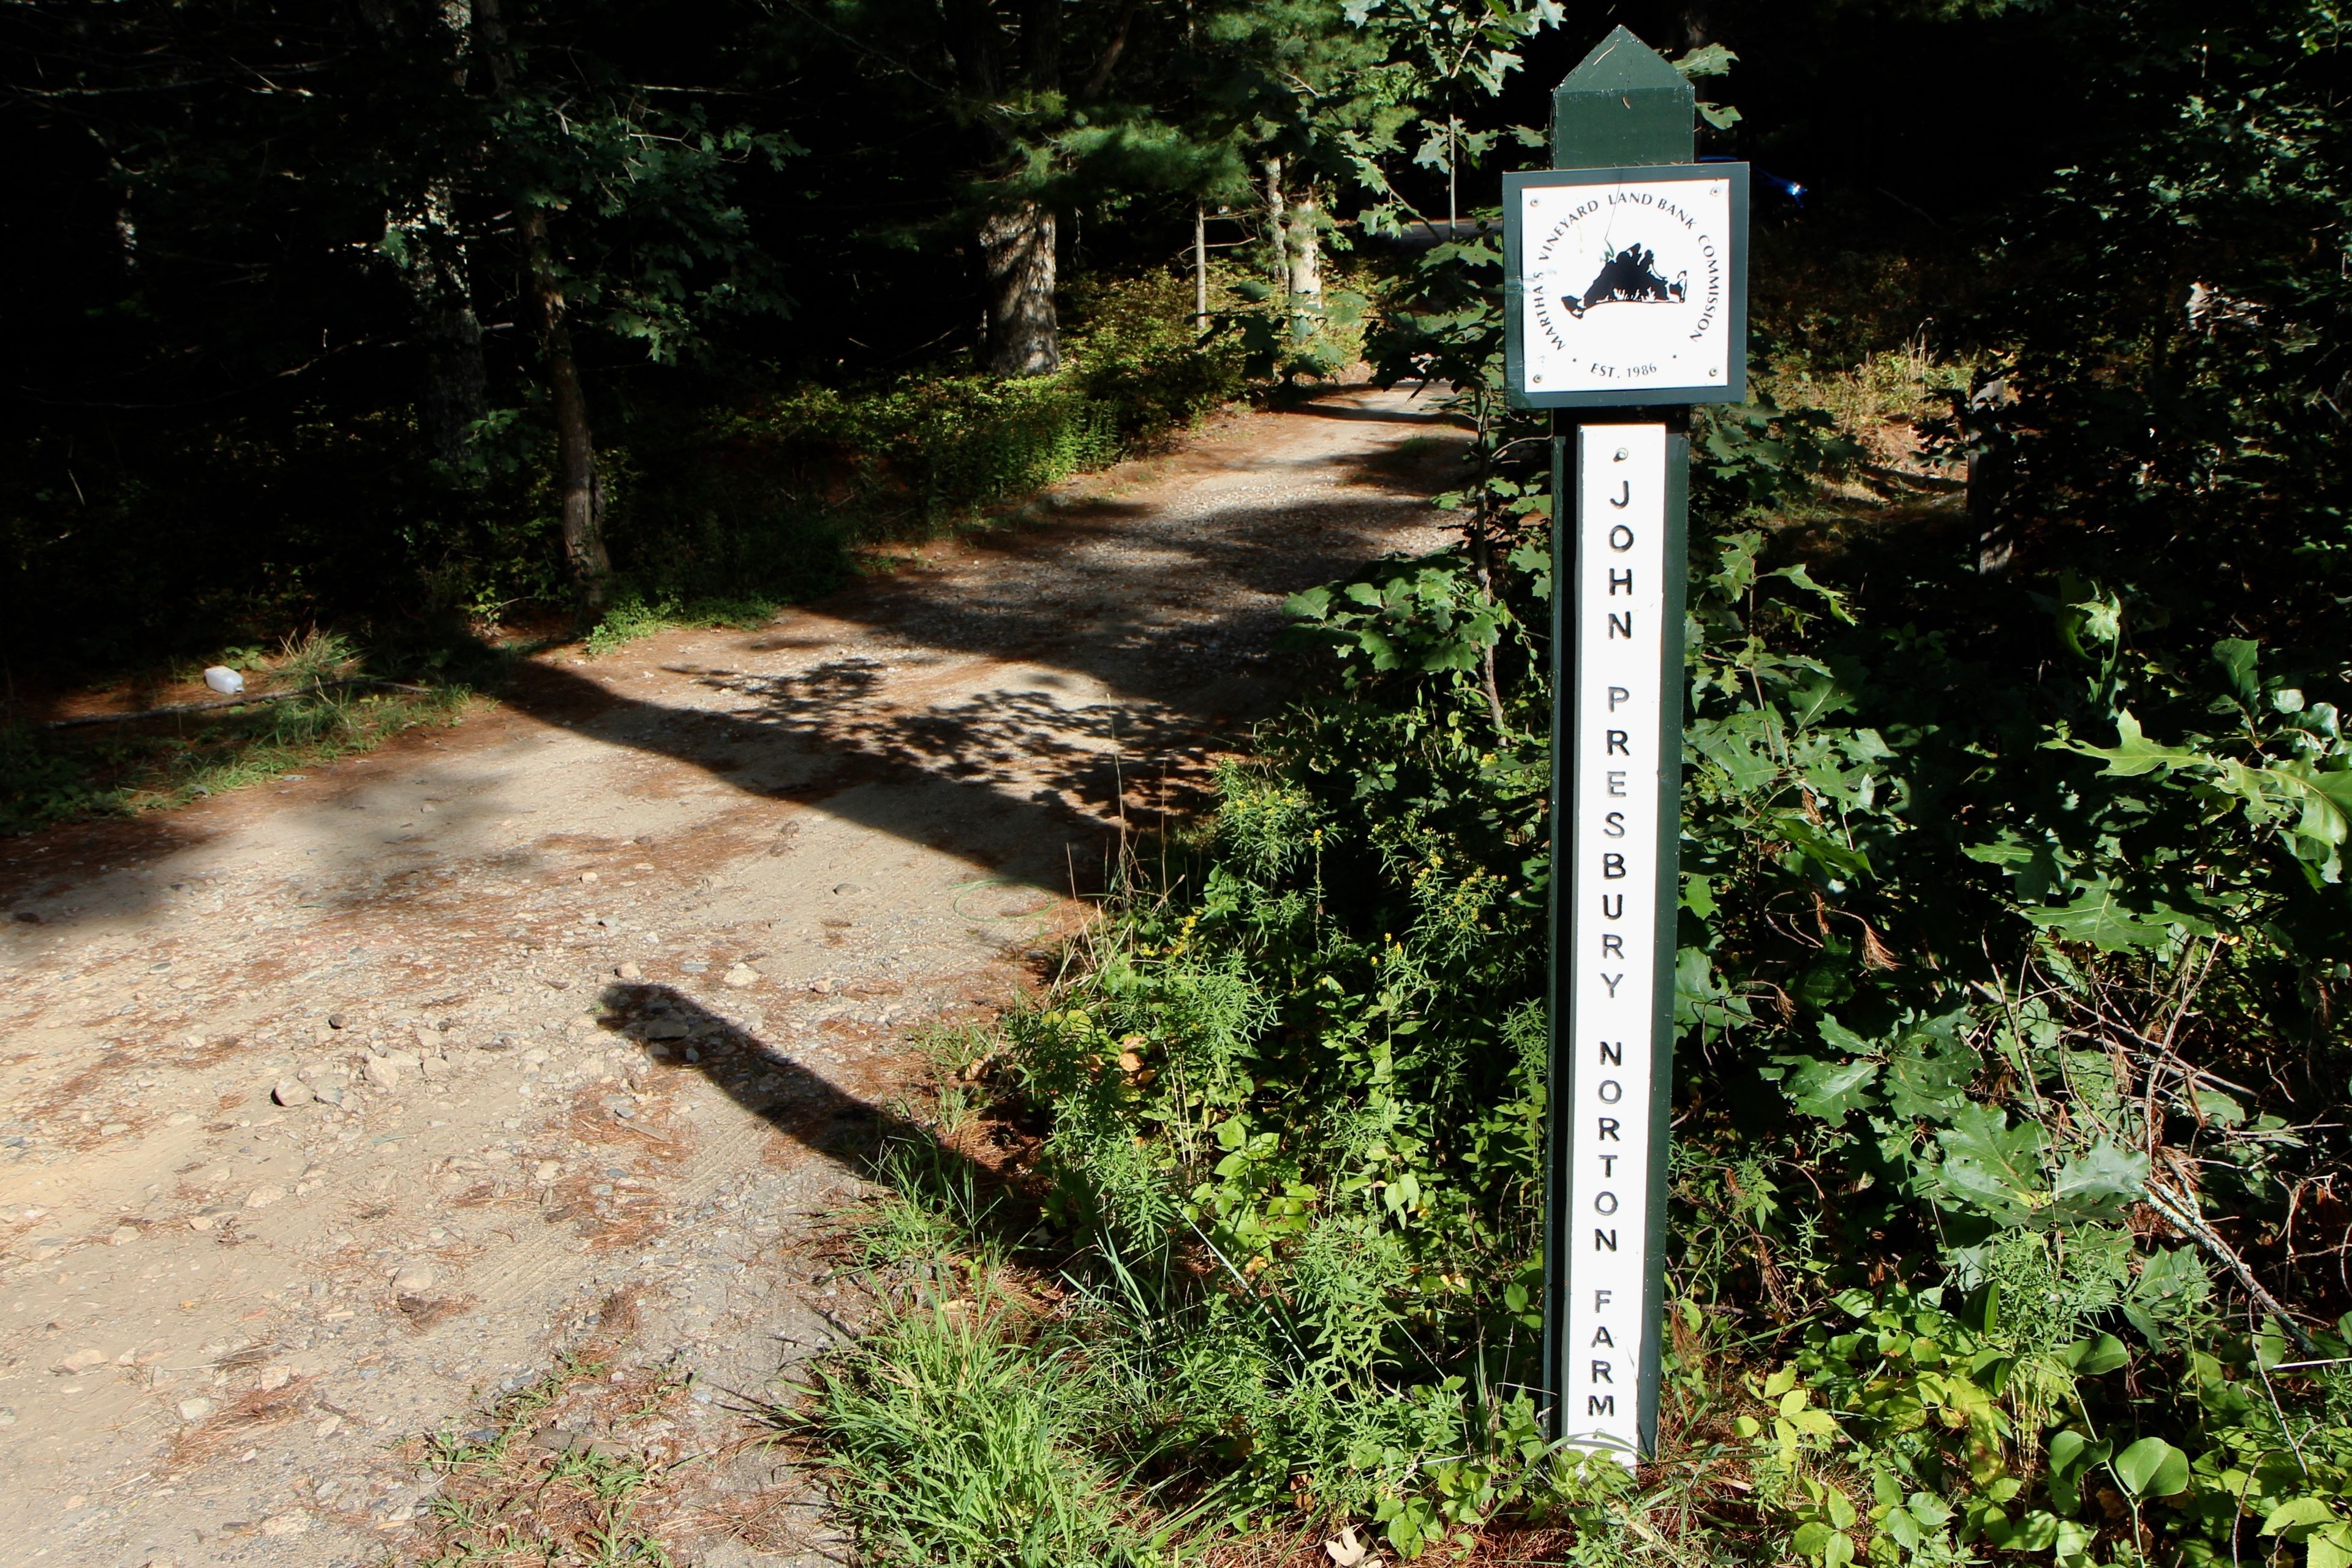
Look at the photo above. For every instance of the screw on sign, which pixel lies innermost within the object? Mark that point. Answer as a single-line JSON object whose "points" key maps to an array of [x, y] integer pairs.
{"points": [[1624, 302]]}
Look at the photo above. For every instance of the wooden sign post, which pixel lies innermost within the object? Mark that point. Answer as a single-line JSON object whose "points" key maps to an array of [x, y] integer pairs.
{"points": [[1625, 302]]}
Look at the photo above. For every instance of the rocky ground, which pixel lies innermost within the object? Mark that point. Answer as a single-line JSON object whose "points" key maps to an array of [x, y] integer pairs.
{"points": [[453, 1144]]}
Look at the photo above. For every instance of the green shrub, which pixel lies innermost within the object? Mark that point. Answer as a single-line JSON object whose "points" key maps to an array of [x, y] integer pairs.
{"points": [[1314, 1063], [1300, 1091], [771, 496]]}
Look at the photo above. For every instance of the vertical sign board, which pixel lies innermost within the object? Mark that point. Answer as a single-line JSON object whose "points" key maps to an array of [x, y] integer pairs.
{"points": [[1622, 794], [1625, 301]]}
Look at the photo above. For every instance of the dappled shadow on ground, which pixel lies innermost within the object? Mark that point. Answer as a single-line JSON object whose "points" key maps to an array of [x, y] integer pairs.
{"points": [[1067, 684], [1055, 687], [1130, 627]]}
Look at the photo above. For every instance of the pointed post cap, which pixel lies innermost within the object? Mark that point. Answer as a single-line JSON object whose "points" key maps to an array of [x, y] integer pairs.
{"points": [[1625, 105]]}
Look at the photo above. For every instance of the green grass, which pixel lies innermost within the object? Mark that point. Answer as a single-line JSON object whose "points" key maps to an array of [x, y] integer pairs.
{"points": [[48, 778], [634, 616], [314, 704], [966, 1432], [932, 1216]]}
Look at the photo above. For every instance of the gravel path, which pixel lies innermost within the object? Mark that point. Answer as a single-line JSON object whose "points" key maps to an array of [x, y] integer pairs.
{"points": [[339, 1109]]}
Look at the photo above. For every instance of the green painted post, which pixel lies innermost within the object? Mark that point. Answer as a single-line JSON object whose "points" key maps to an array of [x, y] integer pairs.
{"points": [[1624, 107]]}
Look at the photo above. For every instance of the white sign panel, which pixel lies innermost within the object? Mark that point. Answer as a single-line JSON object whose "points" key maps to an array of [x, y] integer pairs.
{"points": [[1630, 284], [1609, 967]]}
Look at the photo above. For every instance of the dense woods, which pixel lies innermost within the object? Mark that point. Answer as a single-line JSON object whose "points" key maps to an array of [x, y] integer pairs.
{"points": [[356, 312], [385, 311], [2010, 1177]]}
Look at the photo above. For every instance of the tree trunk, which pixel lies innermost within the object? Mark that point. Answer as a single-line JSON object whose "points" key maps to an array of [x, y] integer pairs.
{"points": [[1199, 268], [580, 496], [1017, 244], [1305, 252], [456, 384], [126, 222], [1278, 223], [1992, 456]]}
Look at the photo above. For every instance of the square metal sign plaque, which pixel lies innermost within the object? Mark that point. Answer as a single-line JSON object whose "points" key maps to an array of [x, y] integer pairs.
{"points": [[1626, 286]]}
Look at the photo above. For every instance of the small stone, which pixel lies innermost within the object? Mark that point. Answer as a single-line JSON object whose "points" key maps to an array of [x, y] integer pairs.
{"points": [[587, 875], [329, 1427], [413, 1279], [428, 1041], [630, 972], [200, 1222], [665, 1030], [432, 1069], [7, 1415], [282, 1524], [547, 1170], [847, 888], [380, 1071], [290, 1092], [181, 1119], [275, 1377], [622, 1107], [335, 1020], [262, 1197], [329, 1092], [822, 987], [123, 1235], [82, 1360], [741, 975], [195, 1409]]}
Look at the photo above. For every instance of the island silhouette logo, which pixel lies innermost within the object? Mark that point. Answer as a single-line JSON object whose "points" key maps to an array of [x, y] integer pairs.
{"points": [[1630, 276]]}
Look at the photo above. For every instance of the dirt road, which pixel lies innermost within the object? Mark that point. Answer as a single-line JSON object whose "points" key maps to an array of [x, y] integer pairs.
{"points": [[339, 1109]]}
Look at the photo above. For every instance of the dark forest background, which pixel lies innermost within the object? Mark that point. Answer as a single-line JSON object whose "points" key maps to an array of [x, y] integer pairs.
{"points": [[277, 276]]}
